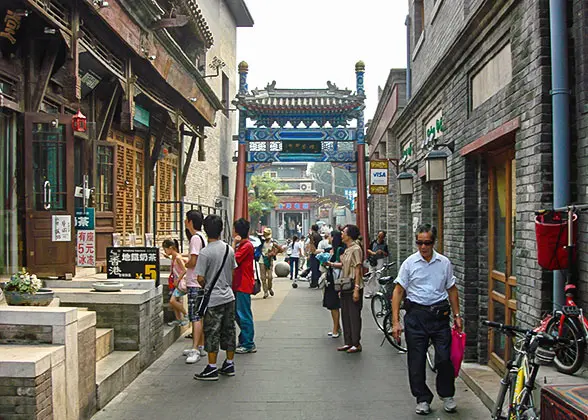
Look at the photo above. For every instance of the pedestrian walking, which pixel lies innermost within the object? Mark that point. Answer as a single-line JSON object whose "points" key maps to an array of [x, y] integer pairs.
{"points": [[214, 272], [426, 278], [193, 223], [176, 281], [295, 255], [331, 299], [352, 300], [243, 284], [377, 252], [315, 239], [269, 251]]}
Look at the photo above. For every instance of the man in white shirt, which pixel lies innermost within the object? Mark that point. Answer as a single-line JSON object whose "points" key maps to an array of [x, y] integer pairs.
{"points": [[428, 281]]}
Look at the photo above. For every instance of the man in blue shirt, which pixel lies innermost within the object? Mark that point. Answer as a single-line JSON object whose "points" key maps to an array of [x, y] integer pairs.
{"points": [[426, 277]]}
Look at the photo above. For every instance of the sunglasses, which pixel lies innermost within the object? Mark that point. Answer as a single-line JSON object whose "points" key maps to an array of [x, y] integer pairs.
{"points": [[427, 243]]}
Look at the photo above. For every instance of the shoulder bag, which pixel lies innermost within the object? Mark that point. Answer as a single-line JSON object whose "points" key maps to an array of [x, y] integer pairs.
{"points": [[206, 298]]}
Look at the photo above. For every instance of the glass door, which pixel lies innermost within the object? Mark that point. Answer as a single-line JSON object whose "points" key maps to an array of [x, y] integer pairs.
{"points": [[49, 182], [502, 302]]}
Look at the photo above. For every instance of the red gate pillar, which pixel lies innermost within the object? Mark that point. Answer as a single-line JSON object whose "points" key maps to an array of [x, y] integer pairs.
{"points": [[362, 211], [241, 205]]}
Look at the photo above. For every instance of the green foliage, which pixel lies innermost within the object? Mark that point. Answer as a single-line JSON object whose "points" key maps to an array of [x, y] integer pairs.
{"points": [[264, 200], [322, 172], [23, 282]]}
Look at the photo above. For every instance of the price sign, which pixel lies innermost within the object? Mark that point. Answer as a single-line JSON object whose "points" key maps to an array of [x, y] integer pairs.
{"points": [[133, 263], [86, 250]]}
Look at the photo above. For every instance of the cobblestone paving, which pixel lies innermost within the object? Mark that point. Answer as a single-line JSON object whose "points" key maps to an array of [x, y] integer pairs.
{"points": [[296, 374]]}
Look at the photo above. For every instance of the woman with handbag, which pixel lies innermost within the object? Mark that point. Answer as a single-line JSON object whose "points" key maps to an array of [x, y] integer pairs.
{"points": [[350, 285], [331, 296]]}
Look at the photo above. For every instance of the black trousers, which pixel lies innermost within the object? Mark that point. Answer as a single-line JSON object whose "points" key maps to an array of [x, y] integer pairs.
{"points": [[420, 326], [351, 318], [315, 271]]}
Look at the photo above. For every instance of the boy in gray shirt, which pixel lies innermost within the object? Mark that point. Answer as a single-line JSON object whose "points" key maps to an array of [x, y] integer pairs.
{"points": [[219, 319]]}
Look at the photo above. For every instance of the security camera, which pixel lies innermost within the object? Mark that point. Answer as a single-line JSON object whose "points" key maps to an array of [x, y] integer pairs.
{"points": [[54, 123]]}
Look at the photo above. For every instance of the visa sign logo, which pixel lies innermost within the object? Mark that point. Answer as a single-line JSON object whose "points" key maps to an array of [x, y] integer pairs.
{"points": [[379, 174]]}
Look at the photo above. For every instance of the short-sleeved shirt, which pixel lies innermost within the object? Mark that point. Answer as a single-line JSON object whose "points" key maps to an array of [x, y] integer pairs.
{"points": [[209, 263], [376, 246], [243, 280], [197, 243], [426, 283], [296, 249], [351, 258]]}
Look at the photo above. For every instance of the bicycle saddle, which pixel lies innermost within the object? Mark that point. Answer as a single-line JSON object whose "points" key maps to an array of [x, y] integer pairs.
{"points": [[386, 280]]}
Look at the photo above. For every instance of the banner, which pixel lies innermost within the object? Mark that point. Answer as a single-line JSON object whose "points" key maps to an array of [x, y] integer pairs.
{"points": [[86, 250], [379, 177]]}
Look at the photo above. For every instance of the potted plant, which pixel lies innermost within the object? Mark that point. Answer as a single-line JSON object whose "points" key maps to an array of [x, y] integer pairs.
{"points": [[26, 290]]}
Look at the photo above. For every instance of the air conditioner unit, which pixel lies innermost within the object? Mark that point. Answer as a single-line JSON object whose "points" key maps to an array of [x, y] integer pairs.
{"points": [[305, 186]]}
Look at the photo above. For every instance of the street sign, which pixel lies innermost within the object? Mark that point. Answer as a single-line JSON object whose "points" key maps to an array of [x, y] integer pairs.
{"points": [[379, 177], [85, 220], [132, 263]]}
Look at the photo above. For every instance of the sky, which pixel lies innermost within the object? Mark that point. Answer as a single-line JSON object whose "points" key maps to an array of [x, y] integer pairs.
{"points": [[305, 43]]}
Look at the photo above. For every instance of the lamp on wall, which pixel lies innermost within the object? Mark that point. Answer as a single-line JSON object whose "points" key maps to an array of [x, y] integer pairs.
{"points": [[436, 166], [79, 122], [406, 183]]}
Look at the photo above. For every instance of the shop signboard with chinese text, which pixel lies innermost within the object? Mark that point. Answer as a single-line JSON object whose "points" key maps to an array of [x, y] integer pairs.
{"points": [[133, 263], [293, 206], [61, 228], [85, 222], [379, 177], [85, 219]]}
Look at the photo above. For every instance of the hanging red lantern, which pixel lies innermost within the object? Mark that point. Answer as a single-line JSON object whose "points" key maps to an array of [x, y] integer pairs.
{"points": [[79, 122]]}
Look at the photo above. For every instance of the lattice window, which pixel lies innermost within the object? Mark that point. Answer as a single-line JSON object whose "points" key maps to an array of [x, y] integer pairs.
{"points": [[275, 146], [166, 193], [257, 146], [345, 146], [328, 146], [129, 186]]}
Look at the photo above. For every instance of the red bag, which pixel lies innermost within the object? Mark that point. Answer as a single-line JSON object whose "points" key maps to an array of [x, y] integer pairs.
{"points": [[458, 343]]}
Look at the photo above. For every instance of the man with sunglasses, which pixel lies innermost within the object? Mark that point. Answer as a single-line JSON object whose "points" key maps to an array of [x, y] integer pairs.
{"points": [[426, 277]]}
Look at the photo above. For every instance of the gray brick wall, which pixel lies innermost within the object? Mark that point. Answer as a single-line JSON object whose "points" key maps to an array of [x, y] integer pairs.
{"points": [[26, 398], [87, 372], [25, 334], [441, 80]]}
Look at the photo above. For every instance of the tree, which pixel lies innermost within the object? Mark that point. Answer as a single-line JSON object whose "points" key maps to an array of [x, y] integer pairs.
{"points": [[322, 172], [263, 200]]}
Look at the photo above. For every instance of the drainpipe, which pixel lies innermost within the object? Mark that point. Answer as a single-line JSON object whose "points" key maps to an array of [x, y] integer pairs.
{"points": [[408, 92], [560, 100]]}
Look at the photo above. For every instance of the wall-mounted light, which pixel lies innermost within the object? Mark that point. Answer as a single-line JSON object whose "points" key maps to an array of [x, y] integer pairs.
{"points": [[436, 166], [193, 99], [100, 3], [405, 183]]}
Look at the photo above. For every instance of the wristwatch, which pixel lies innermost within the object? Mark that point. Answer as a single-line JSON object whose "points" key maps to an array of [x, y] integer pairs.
{"points": [[456, 315]]}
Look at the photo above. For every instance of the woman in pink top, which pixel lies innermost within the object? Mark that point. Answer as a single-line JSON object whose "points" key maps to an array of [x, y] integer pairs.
{"points": [[178, 271]]}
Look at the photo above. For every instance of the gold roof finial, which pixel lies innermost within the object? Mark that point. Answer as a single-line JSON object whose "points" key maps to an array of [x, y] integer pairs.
{"points": [[243, 67], [360, 66]]}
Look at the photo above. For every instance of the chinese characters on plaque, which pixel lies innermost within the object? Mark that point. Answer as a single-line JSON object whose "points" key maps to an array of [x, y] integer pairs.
{"points": [[133, 263], [86, 237], [61, 228]]}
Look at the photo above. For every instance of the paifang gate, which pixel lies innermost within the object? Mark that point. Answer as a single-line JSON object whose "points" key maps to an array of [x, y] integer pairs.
{"points": [[321, 132]]}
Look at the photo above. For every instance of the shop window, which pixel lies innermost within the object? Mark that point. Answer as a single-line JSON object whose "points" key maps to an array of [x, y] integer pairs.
{"points": [[225, 185], [104, 181]]}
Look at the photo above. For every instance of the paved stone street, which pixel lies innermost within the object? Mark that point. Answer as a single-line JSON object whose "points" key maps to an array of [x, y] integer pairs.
{"points": [[296, 374]]}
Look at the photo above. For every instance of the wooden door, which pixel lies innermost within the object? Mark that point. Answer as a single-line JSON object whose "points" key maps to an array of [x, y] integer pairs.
{"points": [[502, 283], [49, 191]]}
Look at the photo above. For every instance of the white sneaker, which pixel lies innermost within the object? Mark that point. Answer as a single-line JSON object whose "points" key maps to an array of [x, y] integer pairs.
{"points": [[173, 323], [449, 405], [193, 357], [187, 352], [423, 408], [202, 351]]}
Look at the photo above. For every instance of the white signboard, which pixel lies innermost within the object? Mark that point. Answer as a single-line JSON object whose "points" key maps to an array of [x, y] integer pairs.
{"points": [[86, 250], [379, 177], [61, 228]]}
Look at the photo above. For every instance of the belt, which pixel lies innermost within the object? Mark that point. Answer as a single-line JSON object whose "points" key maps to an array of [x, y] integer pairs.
{"points": [[430, 308]]}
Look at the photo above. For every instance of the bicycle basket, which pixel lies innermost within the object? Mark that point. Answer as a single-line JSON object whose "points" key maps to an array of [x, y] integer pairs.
{"points": [[551, 231]]}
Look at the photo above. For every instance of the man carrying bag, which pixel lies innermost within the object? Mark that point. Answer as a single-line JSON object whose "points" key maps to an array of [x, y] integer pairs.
{"points": [[214, 271]]}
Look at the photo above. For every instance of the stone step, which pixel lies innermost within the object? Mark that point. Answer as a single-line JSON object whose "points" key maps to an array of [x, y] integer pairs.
{"points": [[114, 373], [104, 342]]}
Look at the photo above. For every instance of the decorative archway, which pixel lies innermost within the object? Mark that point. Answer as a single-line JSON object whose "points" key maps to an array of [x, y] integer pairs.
{"points": [[301, 125]]}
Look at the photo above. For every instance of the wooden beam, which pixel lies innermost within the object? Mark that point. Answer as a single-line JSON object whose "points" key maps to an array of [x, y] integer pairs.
{"points": [[159, 134], [107, 112], [189, 158], [44, 75]]}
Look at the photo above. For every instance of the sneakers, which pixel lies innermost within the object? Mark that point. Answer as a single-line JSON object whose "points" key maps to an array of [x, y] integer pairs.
{"points": [[337, 335], [228, 369], [423, 408], [271, 292], [193, 356], [184, 322], [265, 295], [173, 323], [202, 351], [449, 405], [244, 350], [208, 374]]}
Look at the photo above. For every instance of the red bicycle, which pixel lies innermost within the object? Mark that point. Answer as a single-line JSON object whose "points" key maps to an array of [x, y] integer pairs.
{"points": [[568, 322]]}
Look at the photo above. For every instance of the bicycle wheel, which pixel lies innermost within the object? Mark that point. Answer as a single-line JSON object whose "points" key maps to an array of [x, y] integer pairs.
{"points": [[431, 357], [379, 309], [500, 410], [568, 358], [388, 331]]}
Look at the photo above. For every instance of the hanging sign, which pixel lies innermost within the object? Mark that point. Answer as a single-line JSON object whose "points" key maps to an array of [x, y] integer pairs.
{"points": [[85, 220], [379, 177], [61, 228], [11, 26], [132, 263], [86, 249]]}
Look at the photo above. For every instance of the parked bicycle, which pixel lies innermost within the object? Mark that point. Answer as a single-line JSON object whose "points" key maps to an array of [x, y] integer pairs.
{"points": [[382, 300], [568, 322], [515, 396]]}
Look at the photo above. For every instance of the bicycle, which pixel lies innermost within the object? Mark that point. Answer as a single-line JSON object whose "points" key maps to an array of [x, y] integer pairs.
{"points": [[569, 322], [532, 350], [381, 302]]}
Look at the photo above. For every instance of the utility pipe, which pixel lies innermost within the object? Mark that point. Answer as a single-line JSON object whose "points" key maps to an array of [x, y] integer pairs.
{"points": [[560, 100], [408, 58]]}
